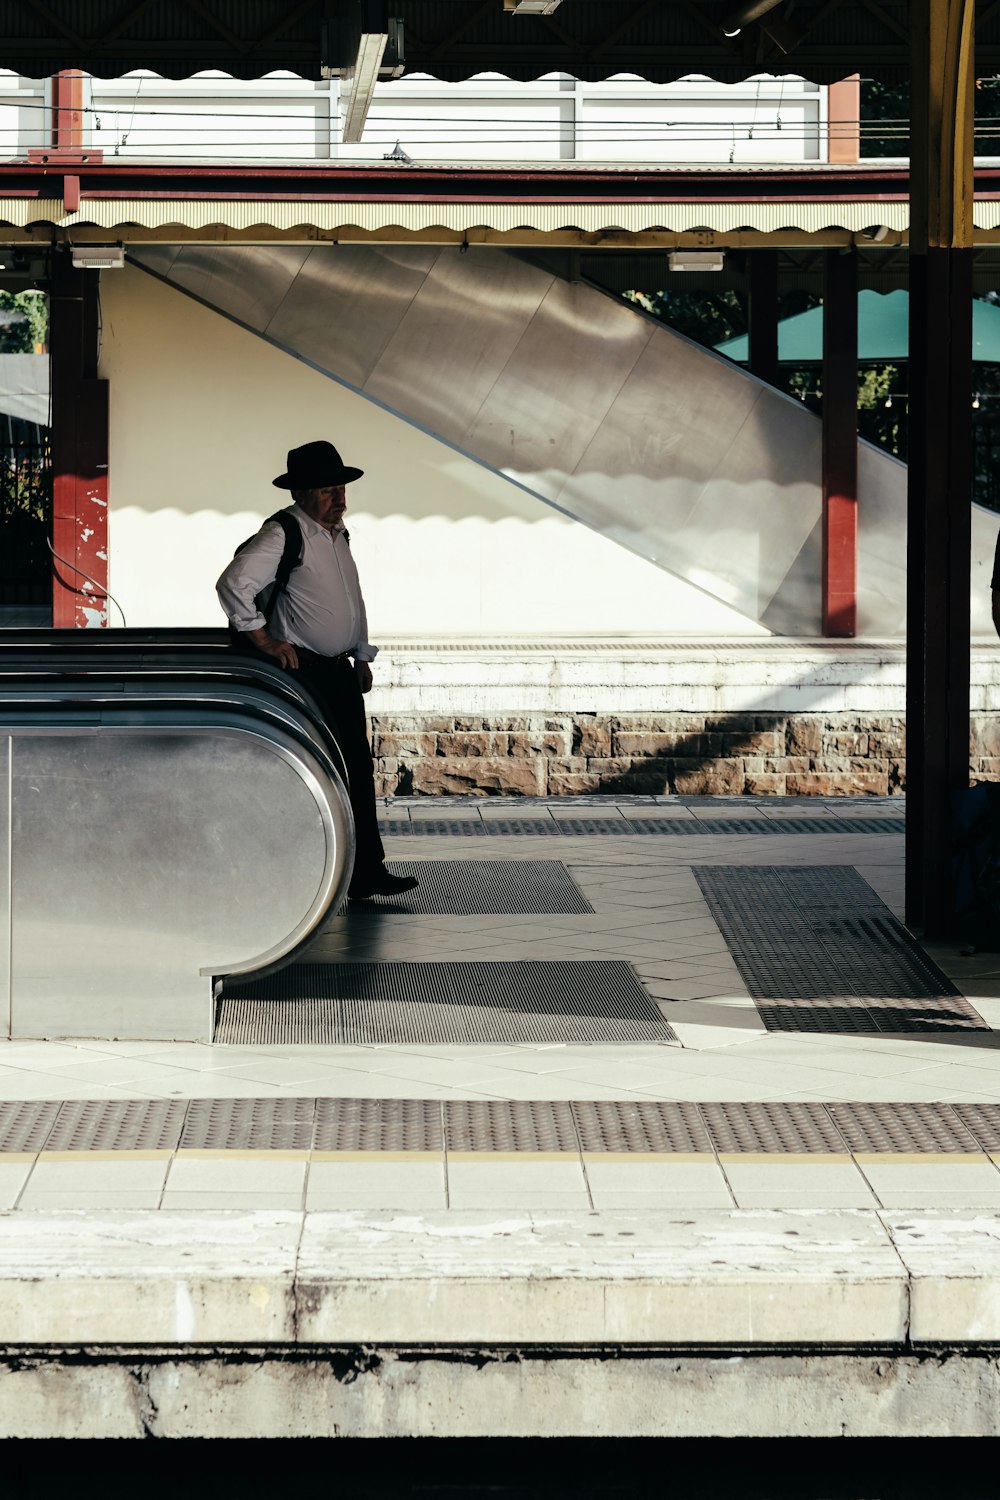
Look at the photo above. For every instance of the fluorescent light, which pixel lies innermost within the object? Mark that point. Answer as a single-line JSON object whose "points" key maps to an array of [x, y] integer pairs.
{"points": [[364, 77], [531, 7], [98, 257]]}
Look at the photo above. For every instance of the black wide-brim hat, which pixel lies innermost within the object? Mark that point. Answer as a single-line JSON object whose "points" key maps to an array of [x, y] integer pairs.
{"points": [[313, 466]]}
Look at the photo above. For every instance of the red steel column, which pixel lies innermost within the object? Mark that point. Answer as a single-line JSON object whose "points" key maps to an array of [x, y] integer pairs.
{"points": [[79, 452], [67, 110], [840, 444]]}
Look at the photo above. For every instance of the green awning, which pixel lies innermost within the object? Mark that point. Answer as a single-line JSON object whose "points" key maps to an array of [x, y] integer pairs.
{"points": [[883, 332]]}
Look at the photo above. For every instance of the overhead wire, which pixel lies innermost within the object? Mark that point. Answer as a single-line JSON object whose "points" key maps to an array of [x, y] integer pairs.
{"points": [[287, 128]]}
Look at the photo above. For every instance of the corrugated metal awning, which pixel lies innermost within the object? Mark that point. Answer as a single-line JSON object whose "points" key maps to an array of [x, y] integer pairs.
{"points": [[120, 214]]}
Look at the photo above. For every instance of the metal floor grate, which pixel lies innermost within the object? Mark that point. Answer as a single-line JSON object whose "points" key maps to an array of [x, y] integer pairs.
{"points": [[427, 1003], [484, 887], [680, 827], [819, 951], [433, 1125]]}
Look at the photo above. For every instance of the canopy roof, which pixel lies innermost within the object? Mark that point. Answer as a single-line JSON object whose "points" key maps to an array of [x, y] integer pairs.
{"points": [[601, 206], [871, 202], [883, 332], [661, 40]]}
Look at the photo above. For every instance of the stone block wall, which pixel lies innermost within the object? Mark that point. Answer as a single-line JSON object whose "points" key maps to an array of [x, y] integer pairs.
{"points": [[562, 754], [574, 754]]}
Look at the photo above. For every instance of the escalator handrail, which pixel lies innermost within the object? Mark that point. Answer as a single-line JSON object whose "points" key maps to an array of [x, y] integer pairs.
{"points": [[19, 708], [80, 673]]}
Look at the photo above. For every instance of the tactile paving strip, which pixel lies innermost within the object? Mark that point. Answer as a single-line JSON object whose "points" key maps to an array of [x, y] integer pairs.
{"points": [[606, 1125], [819, 951], [644, 1127], [485, 887], [901, 1127], [983, 1120], [428, 1003], [248, 1125], [117, 1125], [378, 1125], [790, 1127], [25, 1125], [679, 827], [509, 1125]]}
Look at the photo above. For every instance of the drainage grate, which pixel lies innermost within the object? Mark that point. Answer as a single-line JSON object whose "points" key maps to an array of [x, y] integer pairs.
{"points": [[819, 951], [248, 1125], [428, 1003], [680, 827], [485, 887], [117, 1125]]}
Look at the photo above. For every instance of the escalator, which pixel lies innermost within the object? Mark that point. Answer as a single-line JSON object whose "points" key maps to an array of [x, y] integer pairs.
{"points": [[584, 402], [175, 815]]}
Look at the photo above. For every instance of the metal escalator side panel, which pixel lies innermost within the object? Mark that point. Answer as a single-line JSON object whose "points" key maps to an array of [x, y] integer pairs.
{"points": [[78, 675], [5, 881], [150, 858], [590, 406], [179, 638], [662, 446]]}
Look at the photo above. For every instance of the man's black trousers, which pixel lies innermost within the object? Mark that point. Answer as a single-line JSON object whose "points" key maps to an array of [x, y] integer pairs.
{"points": [[333, 681]]}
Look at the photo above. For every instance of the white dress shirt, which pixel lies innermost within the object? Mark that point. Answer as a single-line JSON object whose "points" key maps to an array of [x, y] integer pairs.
{"points": [[322, 608]]}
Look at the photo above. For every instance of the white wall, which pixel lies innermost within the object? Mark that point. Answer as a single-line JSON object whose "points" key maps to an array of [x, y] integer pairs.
{"points": [[487, 118], [202, 413]]}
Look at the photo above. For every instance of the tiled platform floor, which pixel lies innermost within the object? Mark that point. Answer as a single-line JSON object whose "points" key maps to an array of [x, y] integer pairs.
{"points": [[649, 910]]}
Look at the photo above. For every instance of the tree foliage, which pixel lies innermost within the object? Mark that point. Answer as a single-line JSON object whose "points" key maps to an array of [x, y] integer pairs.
{"points": [[889, 107], [25, 322]]}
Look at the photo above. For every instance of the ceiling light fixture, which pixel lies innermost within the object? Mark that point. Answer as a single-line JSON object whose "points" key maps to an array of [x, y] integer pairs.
{"points": [[98, 257], [696, 260], [531, 7]]}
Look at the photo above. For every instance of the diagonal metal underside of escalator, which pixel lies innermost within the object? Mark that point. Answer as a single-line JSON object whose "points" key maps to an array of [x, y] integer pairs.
{"points": [[593, 407]]}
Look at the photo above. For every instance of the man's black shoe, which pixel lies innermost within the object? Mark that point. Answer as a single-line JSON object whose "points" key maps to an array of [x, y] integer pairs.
{"points": [[383, 883]]}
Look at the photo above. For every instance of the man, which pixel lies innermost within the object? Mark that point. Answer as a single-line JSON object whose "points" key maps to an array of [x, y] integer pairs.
{"points": [[317, 626]]}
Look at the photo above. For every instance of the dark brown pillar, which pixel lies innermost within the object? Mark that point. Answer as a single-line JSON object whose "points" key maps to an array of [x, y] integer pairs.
{"points": [[79, 451], [762, 278], [840, 443], [940, 462]]}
